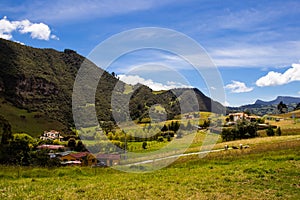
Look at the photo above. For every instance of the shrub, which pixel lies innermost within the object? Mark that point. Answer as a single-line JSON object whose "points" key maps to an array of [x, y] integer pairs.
{"points": [[270, 131], [278, 131], [160, 139], [144, 145]]}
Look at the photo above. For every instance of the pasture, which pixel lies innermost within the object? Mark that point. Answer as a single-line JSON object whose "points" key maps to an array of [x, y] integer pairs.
{"points": [[268, 170]]}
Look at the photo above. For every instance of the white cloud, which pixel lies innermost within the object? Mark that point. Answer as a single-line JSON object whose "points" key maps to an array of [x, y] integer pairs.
{"points": [[6, 27], [134, 79], [243, 54], [238, 87], [39, 31], [54, 37], [276, 78]]}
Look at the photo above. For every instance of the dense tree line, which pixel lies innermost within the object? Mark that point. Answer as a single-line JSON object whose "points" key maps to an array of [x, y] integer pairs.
{"points": [[242, 130], [21, 151]]}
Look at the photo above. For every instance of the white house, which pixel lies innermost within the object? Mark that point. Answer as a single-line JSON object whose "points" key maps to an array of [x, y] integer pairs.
{"points": [[51, 135]]}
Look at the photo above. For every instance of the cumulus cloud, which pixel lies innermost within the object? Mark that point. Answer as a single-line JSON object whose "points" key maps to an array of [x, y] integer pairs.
{"points": [[276, 78], [238, 87], [134, 79], [39, 31]]}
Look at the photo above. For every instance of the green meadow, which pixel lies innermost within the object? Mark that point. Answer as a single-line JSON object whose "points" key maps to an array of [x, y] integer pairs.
{"points": [[22, 121], [267, 170]]}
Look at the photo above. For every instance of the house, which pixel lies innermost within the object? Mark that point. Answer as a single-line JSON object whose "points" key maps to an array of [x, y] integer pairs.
{"points": [[238, 116], [51, 135], [86, 158], [109, 159], [241, 116], [51, 147]]}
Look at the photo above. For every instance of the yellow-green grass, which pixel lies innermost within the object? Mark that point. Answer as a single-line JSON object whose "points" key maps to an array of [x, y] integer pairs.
{"points": [[266, 172], [295, 113], [288, 126], [128, 89]]}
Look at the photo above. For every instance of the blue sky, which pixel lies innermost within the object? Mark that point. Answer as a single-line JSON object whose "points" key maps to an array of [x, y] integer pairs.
{"points": [[254, 44]]}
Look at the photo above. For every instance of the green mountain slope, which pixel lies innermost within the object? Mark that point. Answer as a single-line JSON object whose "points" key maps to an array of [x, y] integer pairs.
{"points": [[38, 84]]}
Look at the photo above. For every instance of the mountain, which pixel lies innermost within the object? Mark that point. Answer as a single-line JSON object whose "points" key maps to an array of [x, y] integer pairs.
{"points": [[261, 107], [36, 88], [284, 99]]}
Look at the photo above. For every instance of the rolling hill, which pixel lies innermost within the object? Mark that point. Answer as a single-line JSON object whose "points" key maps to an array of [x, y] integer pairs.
{"points": [[36, 88]]}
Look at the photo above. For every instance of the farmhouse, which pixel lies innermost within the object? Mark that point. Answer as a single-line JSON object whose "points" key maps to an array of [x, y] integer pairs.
{"points": [[238, 116], [51, 135], [241, 116], [85, 158]]}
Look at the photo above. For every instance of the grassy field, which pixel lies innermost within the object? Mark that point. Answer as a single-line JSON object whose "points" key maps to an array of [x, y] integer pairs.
{"points": [[288, 125], [265, 171], [22, 121]]}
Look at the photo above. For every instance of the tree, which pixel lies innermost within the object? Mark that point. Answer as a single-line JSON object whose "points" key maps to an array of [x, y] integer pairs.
{"points": [[278, 131], [41, 158], [160, 139], [164, 128], [168, 138], [80, 147], [176, 126], [282, 108], [107, 126], [206, 124], [270, 131], [297, 107], [6, 131], [72, 143], [243, 130], [247, 111], [144, 145], [16, 152]]}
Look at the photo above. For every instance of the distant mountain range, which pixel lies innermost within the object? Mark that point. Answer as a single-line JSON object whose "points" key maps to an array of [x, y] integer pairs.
{"points": [[36, 88], [285, 99], [261, 107]]}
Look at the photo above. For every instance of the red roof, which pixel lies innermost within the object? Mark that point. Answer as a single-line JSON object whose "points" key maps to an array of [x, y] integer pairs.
{"points": [[79, 155], [51, 146]]}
